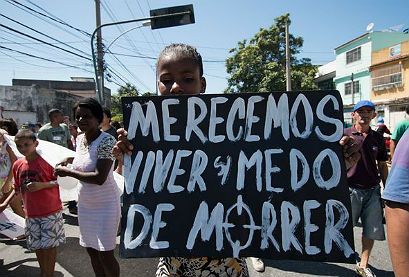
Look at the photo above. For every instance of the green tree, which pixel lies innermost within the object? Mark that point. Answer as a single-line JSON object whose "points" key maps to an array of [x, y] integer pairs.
{"points": [[126, 90], [258, 65]]}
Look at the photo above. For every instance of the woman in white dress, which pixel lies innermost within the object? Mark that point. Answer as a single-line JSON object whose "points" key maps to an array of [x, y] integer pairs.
{"points": [[98, 194]]}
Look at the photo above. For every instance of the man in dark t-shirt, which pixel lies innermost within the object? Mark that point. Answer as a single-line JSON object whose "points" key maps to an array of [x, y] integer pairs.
{"points": [[106, 124], [364, 181]]}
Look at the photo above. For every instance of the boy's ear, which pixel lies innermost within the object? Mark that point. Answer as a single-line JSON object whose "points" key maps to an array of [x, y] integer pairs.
{"points": [[203, 83], [36, 143]]}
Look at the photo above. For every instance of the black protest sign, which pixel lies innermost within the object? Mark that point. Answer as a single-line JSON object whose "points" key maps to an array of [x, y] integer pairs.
{"points": [[257, 174]]}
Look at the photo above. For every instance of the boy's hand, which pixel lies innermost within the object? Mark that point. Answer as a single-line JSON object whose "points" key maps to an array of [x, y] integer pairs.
{"points": [[34, 186], [350, 149], [123, 146]]}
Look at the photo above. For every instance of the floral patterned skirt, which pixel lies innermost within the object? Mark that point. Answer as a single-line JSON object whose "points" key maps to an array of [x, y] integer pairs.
{"points": [[200, 267]]}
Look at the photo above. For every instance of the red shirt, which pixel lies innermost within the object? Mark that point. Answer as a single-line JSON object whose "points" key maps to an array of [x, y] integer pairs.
{"points": [[42, 202]]}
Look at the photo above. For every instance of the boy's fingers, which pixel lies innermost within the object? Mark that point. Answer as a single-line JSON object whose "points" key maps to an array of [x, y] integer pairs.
{"points": [[117, 152], [121, 132]]}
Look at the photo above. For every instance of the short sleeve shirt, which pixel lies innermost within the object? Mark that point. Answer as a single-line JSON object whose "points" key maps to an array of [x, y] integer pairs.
{"points": [[42, 202], [365, 174], [112, 132], [397, 185], [400, 129], [58, 135]]}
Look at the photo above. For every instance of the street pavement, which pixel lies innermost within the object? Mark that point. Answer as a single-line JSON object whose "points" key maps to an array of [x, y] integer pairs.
{"points": [[72, 260]]}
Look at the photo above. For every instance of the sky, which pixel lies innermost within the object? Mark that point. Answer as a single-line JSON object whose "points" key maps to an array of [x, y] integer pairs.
{"points": [[219, 26]]}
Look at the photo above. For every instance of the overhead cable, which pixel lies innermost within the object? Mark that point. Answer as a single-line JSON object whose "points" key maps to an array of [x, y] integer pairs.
{"points": [[45, 19], [45, 59], [45, 42], [41, 33], [52, 18]]}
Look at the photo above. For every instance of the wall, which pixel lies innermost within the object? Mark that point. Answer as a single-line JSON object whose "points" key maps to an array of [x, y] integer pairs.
{"points": [[392, 93], [35, 101], [79, 88], [344, 69]]}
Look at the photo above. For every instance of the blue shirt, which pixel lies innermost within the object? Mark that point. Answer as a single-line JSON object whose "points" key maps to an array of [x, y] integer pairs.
{"points": [[397, 185]]}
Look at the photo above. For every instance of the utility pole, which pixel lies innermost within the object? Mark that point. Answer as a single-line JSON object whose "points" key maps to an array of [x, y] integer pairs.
{"points": [[287, 57], [100, 56]]}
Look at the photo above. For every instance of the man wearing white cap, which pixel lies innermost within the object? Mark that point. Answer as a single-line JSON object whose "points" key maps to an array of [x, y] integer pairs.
{"points": [[364, 181]]}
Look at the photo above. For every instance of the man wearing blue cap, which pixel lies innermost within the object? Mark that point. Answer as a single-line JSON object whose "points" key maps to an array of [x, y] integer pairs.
{"points": [[364, 181]]}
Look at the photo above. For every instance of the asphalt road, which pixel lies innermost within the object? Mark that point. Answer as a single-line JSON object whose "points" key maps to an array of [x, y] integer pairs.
{"points": [[72, 260]]}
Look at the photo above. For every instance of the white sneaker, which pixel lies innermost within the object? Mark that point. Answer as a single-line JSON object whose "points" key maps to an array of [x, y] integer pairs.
{"points": [[364, 271], [257, 264]]}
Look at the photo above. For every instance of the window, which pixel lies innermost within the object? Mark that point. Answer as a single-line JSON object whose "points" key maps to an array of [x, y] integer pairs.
{"points": [[354, 55], [387, 77], [348, 88], [394, 50]]}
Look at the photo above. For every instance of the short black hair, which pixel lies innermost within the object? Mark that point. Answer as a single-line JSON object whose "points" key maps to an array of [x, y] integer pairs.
{"points": [[93, 105], [107, 112], [9, 125], [53, 111], [25, 134], [183, 50]]}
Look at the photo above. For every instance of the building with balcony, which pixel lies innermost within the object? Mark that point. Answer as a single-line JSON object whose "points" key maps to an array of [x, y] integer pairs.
{"points": [[353, 77], [390, 81]]}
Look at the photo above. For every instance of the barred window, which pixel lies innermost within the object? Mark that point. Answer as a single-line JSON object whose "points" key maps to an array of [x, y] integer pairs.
{"points": [[348, 88], [387, 77], [353, 55]]}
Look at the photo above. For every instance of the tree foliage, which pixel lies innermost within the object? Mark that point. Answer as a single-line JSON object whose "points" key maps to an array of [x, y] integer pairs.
{"points": [[258, 65], [126, 90]]}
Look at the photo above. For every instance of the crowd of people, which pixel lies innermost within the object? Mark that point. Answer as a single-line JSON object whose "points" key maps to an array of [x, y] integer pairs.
{"points": [[29, 184]]}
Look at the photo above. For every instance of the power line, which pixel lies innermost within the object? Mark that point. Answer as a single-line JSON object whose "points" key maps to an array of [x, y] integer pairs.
{"points": [[158, 32], [45, 59], [36, 65], [153, 58], [43, 19], [52, 18], [41, 33], [37, 39], [37, 43], [130, 73], [26, 46], [117, 75], [215, 76], [120, 28], [134, 56], [113, 18], [143, 34]]}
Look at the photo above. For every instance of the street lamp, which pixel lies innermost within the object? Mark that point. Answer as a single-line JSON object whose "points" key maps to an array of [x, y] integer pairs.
{"points": [[160, 18], [147, 23]]}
